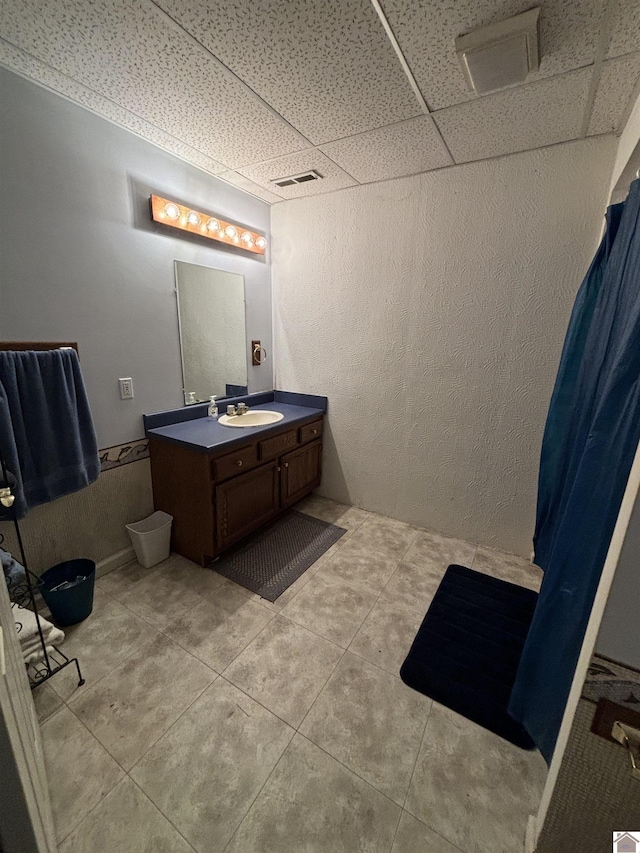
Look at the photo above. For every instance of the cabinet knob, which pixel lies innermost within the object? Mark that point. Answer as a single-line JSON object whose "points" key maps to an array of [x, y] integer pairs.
{"points": [[278, 468], [314, 431], [239, 463], [286, 464]]}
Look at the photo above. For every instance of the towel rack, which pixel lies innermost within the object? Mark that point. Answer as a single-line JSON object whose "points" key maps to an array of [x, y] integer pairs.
{"points": [[24, 594]]}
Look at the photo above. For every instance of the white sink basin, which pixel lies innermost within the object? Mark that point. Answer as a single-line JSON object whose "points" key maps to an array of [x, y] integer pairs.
{"points": [[259, 417]]}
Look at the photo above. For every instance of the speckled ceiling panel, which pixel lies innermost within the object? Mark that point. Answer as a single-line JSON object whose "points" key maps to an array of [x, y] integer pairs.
{"points": [[625, 36], [239, 180], [325, 65], [333, 177], [19, 61], [427, 30], [530, 116], [402, 149], [617, 84], [127, 51]]}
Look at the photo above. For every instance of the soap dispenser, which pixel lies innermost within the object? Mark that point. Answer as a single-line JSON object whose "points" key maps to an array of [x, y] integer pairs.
{"points": [[212, 411]]}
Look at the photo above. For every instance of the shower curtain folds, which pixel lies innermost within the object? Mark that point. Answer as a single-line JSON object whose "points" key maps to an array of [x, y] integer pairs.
{"points": [[591, 435]]}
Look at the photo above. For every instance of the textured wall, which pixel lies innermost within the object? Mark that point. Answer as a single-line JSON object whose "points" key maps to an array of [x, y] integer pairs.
{"points": [[431, 310], [89, 523], [81, 261]]}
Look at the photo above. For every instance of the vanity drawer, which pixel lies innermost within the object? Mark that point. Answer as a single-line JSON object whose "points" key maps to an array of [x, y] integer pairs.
{"points": [[235, 463], [270, 447], [309, 432]]}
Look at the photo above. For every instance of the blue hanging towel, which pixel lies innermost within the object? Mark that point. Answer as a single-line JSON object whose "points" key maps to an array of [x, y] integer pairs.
{"points": [[47, 437], [592, 433]]}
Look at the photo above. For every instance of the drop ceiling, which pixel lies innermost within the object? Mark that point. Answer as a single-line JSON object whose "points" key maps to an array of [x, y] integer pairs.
{"points": [[359, 90]]}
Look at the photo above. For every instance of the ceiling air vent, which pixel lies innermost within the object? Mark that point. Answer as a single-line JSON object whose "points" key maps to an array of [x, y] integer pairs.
{"points": [[313, 175], [501, 54]]}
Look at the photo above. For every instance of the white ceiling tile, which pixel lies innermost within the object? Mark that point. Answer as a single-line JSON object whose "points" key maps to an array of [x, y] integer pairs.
{"points": [[333, 178], [529, 116], [325, 65], [401, 149], [625, 36], [239, 180], [127, 51], [617, 84], [426, 32], [17, 60]]}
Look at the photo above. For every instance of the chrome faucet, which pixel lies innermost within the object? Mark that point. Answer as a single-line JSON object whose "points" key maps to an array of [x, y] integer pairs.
{"points": [[240, 409]]}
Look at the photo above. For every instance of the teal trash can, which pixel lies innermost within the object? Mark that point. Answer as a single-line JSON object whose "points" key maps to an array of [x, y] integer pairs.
{"points": [[68, 590]]}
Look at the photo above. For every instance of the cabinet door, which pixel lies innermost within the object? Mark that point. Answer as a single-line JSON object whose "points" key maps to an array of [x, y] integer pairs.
{"points": [[300, 472], [246, 502]]}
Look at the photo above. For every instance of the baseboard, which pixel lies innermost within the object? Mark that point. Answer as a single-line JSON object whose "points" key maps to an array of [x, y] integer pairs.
{"points": [[531, 836], [109, 564]]}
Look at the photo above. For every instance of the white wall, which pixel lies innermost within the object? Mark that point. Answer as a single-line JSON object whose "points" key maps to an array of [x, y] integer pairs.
{"points": [[80, 259], [432, 310], [618, 638]]}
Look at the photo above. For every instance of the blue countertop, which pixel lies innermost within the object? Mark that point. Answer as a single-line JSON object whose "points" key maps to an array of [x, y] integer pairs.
{"points": [[207, 435]]}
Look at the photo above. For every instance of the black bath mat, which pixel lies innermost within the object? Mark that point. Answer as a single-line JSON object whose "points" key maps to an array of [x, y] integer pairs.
{"points": [[274, 558], [467, 650]]}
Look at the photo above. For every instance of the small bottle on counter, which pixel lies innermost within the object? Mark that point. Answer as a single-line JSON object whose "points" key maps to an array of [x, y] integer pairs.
{"points": [[212, 411]]}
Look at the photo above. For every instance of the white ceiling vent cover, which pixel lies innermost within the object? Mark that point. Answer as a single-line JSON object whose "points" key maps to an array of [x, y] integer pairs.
{"points": [[501, 54], [313, 175]]}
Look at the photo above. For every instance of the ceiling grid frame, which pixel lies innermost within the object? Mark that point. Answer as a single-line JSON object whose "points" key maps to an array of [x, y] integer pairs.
{"points": [[355, 155]]}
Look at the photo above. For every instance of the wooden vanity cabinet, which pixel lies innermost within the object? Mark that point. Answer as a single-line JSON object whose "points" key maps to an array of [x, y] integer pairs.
{"points": [[218, 499]]}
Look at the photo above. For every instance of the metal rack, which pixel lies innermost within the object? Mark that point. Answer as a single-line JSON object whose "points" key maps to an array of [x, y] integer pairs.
{"points": [[24, 594]]}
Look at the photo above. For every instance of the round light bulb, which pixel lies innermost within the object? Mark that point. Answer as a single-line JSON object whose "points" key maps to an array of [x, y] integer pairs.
{"points": [[261, 243], [247, 238], [171, 210], [193, 218], [230, 231], [213, 225]]}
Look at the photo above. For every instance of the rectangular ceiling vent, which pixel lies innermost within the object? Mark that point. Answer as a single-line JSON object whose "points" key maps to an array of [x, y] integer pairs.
{"points": [[501, 54], [313, 175]]}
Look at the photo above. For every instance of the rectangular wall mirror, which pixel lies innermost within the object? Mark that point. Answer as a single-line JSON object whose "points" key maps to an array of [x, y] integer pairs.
{"points": [[211, 318]]}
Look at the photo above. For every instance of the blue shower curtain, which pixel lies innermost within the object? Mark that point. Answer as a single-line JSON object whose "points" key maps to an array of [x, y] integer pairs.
{"points": [[592, 431]]}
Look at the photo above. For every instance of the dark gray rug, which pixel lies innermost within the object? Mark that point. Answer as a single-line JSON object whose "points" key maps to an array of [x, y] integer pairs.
{"points": [[271, 560]]}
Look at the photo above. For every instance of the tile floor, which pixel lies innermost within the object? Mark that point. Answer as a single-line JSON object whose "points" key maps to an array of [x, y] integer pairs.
{"points": [[214, 720]]}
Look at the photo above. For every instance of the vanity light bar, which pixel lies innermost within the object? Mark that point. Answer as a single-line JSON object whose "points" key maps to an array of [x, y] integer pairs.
{"points": [[187, 219]]}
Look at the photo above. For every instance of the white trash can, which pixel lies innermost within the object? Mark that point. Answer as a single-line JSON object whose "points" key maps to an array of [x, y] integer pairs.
{"points": [[151, 538]]}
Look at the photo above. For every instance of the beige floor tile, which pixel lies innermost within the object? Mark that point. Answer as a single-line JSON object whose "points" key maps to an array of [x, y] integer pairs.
{"points": [[390, 535], [349, 517], [205, 772], [312, 803], [125, 822], [386, 635], [164, 597], [436, 551], [331, 608], [413, 586], [363, 563], [137, 702], [414, 837], [508, 567], [46, 701], [371, 722], [106, 638], [216, 631], [121, 580], [80, 771], [472, 787], [285, 668]]}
